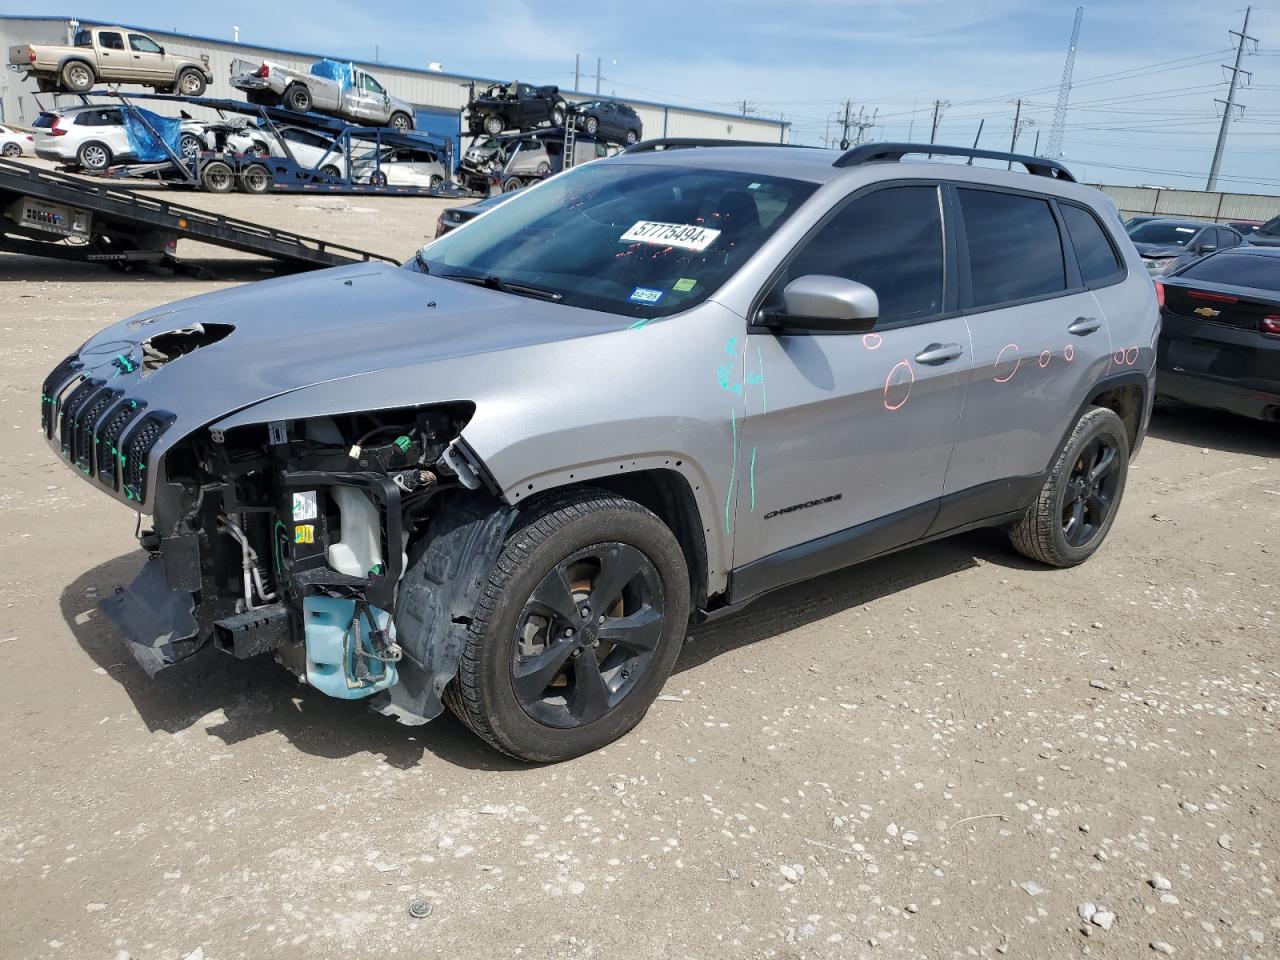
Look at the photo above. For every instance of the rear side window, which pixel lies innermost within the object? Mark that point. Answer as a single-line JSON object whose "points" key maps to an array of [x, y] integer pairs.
{"points": [[891, 240], [1094, 253], [1237, 269], [111, 41], [1015, 252]]}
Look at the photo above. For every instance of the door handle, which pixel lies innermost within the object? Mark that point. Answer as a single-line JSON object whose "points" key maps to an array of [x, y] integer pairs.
{"points": [[936, 353], [1084, 326]]}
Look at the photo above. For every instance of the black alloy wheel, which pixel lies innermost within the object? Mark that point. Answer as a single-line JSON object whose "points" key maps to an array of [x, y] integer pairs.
{"points": [[587, 635], [1090, 491]]}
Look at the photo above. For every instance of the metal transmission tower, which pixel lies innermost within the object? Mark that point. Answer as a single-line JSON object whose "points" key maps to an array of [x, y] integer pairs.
{"points": [[1230, 104], [1054, 150]]}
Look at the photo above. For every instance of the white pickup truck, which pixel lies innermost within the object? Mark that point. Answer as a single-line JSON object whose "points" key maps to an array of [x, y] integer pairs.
{"points": [[338, 89]]}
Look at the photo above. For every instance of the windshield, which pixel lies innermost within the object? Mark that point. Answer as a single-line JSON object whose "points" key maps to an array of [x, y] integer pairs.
{"points": [[625, 238], [1271, 228], [1237, 269], [1154, 231]]}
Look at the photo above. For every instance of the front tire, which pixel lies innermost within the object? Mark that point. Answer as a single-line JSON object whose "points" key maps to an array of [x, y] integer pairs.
{"points": [[493, 125], [401, 121], [1080, 497], [189, 146], [12, 150], [578, 628], [191, 83], [592, 126]]}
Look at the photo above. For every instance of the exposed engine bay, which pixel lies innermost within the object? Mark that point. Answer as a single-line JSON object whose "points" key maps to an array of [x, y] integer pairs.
{"points": [[292, 538]]}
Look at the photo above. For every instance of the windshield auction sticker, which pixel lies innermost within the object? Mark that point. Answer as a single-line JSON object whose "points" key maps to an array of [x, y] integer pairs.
{"points": [[684, 235]]}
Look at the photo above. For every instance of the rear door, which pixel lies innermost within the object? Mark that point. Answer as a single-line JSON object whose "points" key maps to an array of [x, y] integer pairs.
{"points": [[1039, 341], [848, 436], [115, 62]]}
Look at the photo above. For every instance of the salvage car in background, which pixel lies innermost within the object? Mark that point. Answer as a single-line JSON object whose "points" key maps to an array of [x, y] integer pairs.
{"points": [[110, 55], [504, 477], [1167, 244], [310, 148], [400, 167], [515, 106], [94, 137], [16, 143], [608, 119], [454, 217], [1267, 235], [1220, 337], [333, 88]]}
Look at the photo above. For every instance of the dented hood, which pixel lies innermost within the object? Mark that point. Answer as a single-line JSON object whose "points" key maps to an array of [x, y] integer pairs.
{"points": [[277, 336]]}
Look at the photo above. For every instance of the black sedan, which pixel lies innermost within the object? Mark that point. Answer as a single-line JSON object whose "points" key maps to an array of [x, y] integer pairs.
{"points": [[1220, 338], [609, 120], [1267, 235], [1167, 245], [457, 216]]}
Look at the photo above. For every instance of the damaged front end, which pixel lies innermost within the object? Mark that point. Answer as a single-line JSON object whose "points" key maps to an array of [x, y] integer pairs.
{"points": [[291, 537]]}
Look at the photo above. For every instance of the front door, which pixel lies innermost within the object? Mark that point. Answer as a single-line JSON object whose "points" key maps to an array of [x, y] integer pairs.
{"points": [[847, 437], [147, 58], [1039, 340]]}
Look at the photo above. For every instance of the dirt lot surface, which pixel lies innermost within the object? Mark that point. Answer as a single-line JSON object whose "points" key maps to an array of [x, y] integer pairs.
{"points": [[950, 753]]}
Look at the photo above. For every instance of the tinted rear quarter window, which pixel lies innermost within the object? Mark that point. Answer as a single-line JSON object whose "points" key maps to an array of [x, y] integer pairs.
{"points": [[1240, 269], [1097, 258], [1015, 252], [891, 240]]}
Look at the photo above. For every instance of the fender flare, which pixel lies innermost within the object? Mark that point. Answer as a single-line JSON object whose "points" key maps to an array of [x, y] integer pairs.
{"points": [[78, 57]]}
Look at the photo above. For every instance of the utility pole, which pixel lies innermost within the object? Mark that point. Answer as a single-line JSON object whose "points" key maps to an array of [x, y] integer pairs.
{"points": [[977, 137], [938, 107], [747, 107], [577, 71], [1035, 151], [1018, 125], [844, 135], [597, 76], [1230, 103]]}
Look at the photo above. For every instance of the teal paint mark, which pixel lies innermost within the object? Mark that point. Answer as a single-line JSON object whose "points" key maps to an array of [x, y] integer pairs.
{"points": [[764, 397], [726, 383], [733, 471], [753, 479], [731, 348], [641, 324]]}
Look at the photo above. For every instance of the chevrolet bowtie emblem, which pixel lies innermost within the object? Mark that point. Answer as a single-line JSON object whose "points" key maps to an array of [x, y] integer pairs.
{"points": [[1207, 312]]}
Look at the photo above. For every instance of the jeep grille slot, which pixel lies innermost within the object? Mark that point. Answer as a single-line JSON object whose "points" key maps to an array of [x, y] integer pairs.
{"points": [[67, 416], [136, 448], [51, 389], [108, 440], [83, 440]]}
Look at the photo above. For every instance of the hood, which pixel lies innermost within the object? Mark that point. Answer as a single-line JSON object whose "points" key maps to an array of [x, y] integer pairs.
{"points": [[1157, 250], [264, 339]]}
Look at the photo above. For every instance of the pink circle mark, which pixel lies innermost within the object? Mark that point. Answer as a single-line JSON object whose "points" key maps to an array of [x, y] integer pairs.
{"points": [[889, 384], [1016, 363], [1044, 359], [1119, 357], [1068, 353], [1131, 356], [872, 341]]}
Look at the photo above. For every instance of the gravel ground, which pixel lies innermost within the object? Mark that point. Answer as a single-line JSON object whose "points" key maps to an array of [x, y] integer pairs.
{"points": [[948, 753]]}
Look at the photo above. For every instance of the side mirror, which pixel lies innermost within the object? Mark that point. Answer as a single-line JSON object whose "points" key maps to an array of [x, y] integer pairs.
{"points": [[819, 302], [1206, 248]]}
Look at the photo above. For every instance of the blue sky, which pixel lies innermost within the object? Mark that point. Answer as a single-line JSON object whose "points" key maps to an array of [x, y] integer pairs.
{"points": [[1142, 112]]}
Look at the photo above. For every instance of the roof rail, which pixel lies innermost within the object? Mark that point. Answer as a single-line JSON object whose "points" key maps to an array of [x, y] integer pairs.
{"points": [[882, 152], [675, 143]]}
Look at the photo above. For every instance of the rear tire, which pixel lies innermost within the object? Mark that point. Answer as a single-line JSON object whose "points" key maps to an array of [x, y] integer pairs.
{"points": [[632, 137], [512, 184], [94, 156], [1079, 500], [78, 76], [298, 99], [217, 177], [590, 551], [255, 178]]}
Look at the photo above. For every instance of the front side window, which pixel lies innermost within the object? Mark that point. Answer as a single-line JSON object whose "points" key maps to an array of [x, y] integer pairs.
{"points": [[633, 239], [1094, 253], [110, 41], [142, 44], [890, 240], [370, 85], [1015, 251]]}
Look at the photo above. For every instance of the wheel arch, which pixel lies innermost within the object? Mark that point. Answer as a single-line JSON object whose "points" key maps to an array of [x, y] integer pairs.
{"points": [[77, 58], [1128, 395]]}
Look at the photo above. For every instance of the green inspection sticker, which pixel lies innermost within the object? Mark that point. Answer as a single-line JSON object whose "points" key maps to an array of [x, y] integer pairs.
{"points": [[684, 285]]}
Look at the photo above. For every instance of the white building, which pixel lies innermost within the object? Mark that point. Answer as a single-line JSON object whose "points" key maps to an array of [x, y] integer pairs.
{"points": [[438, 96]]}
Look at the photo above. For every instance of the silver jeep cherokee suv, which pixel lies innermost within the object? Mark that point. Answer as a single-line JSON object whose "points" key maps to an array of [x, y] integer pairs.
{"points": [[505, 477]]}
